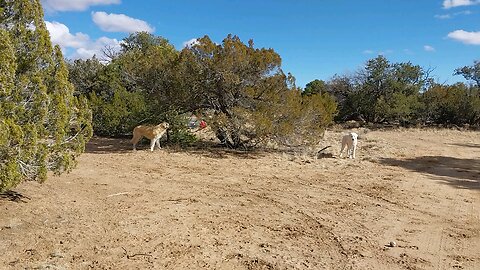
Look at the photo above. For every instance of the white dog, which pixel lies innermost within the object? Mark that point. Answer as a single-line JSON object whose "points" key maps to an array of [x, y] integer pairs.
{"points": [[154, 133], [350, 141]]}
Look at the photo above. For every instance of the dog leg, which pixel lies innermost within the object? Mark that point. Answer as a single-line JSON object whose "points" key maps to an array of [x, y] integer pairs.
{"points": [[152, 144], [157, 142], [134, 141], [353, 150], [341, 150]]}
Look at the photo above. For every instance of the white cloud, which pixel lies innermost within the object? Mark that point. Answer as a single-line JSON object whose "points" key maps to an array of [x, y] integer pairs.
{"points": [[465, 12], [458, 3], [191, 42], [385, 52], [60, 34], [81, 44], [444, 16], [428, 48], [472, 38], [120, 23], [77, 5], [449, 16]]}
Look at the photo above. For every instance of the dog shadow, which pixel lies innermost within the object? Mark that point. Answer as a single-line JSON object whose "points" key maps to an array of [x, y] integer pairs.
{"points": [[457, 172]]}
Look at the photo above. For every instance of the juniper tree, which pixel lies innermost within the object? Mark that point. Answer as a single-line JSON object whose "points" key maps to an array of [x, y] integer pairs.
{"points": [[385, 91], [471, 73], [315, 87], [43, 126], [251, 97]]}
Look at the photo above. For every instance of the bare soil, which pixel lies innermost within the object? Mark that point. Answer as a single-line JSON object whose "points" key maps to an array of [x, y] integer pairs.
{"points": [[210, 208]]}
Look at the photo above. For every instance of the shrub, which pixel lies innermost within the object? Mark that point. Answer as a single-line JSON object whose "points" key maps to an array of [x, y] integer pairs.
{"points": [[43, 126]]}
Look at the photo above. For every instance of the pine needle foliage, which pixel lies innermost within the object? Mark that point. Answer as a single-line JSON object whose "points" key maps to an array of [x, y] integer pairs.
{"points": [[43, 125]]}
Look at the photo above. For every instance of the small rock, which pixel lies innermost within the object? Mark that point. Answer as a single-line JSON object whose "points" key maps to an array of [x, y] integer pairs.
{"points": [[392, 244], [56, 254]]}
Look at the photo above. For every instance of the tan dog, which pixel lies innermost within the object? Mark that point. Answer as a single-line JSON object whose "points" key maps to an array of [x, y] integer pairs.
{"points": [[153, 133]]}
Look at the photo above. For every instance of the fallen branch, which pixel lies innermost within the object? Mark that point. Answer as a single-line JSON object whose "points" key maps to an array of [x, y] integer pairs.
{"points": [[323, 149], [136, 254], [181, 199], [320, 153], [117, 194]]}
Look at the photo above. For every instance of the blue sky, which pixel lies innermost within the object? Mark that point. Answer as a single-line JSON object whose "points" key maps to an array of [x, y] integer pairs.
{"points": [[316, 39]]}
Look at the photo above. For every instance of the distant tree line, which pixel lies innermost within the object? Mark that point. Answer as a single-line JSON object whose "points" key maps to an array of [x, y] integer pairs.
{"points": [[403, 93]]}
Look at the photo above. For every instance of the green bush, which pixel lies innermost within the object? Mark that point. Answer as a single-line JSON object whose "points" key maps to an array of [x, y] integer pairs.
{"points": [[456, 104], [119, 113], [399, 107]]}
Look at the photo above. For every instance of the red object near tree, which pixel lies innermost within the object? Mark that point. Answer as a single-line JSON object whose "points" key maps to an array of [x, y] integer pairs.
{"points": [[203, 124]]}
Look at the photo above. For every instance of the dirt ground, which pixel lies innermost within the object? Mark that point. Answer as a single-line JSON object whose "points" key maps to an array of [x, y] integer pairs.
{"points": [[217, 209]]}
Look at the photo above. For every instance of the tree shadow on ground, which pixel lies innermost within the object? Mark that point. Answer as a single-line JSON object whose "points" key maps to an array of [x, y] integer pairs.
{"points": [[104, 145], [216, 150], [460, 173], [13, 196]]}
